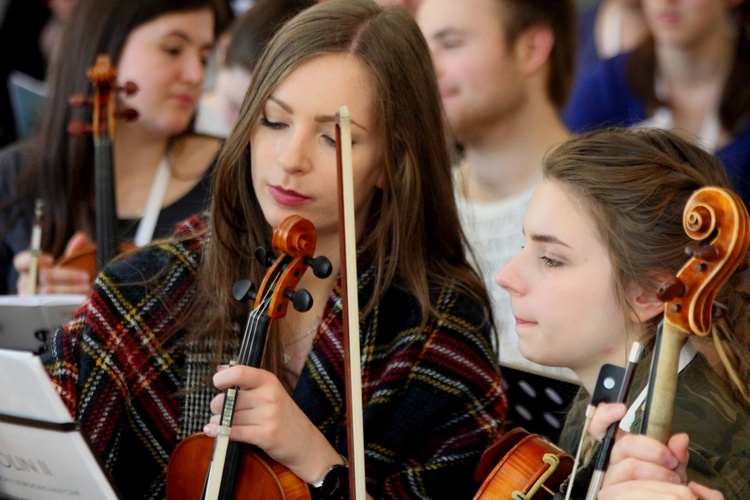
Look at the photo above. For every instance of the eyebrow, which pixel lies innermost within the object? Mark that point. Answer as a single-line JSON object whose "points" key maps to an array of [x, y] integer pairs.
{"points": [[547, 238], [184, 36], [318, 119], [446, 32]]}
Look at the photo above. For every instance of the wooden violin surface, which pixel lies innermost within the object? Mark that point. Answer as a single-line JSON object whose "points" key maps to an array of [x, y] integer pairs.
{"points": [[528, 467], [260, 477]]}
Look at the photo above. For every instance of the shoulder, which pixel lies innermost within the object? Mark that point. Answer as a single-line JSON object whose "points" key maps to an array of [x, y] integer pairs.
{"points": [[718, 426], [167, 268], [603, 97], [13, 159]]}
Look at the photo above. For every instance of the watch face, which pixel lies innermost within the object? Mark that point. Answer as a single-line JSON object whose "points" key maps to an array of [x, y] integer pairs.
{"points": [[336, 483]]}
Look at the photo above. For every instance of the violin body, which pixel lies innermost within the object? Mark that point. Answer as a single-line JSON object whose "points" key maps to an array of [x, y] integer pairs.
{"points": [[85, 258], [530, 468], [261, 477]]}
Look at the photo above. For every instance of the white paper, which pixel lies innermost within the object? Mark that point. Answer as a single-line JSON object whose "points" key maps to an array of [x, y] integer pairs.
{"points": [[25, 321], [38, 462]]}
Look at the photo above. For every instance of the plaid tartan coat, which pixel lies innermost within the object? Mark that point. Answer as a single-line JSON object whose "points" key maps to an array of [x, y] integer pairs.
{"points": [[433, 397]]}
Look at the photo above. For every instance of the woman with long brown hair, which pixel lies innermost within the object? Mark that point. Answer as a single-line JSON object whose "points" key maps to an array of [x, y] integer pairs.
{"points": [[160, 321], [162, 47], [689, 75], [603, 232]]}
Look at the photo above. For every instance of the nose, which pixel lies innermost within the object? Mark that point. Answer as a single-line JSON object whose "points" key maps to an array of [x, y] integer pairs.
{"points": [[193, 69], [509, 277], [437, 63], [294, 156]]}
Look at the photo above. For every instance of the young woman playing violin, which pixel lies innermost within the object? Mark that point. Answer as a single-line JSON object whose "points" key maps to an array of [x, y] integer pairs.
{"points": [[604, 230], [135, 366], [162, 47]]}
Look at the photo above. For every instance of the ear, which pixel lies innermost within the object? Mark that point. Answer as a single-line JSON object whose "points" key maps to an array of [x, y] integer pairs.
{"points": [[644, 302], [533, 48]]}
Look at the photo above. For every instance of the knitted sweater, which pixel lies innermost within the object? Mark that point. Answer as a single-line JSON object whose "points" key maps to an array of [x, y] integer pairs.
{"points": [[433, 398]]}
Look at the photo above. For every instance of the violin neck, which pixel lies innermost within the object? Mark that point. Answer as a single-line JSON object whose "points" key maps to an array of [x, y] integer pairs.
{"points": [[657, 417], [106, 211], [254, 339], [226, 454]]}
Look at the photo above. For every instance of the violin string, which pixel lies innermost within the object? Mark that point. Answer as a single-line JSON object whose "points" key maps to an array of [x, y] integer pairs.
{"points": [[255, 316]]}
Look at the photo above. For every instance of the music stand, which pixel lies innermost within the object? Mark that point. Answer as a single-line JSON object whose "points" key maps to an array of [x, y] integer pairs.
{"points": [[43, 453]]}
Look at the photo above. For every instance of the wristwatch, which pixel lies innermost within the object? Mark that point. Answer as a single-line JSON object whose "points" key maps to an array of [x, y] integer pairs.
{"points": [[334, 485]]}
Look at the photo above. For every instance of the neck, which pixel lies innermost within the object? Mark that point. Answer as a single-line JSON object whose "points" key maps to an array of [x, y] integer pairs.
{"points": [[138, 152], [507, 158], [709, 61]]}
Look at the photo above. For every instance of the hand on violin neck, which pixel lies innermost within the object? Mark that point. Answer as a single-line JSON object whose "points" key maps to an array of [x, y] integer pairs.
{"points": [[638, 457], [50, 279], [77, 242], [266, 416]]}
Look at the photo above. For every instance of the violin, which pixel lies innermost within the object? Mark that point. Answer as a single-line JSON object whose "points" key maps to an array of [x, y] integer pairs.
{"points": [[102, 127], [225, 469]]}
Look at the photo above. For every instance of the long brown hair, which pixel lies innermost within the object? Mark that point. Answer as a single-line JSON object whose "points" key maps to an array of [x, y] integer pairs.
{"points": [[413, 233], [635, 185]]}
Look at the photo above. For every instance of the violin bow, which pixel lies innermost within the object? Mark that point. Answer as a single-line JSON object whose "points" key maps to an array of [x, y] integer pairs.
{"points": [[718, 220], [350, 306]]}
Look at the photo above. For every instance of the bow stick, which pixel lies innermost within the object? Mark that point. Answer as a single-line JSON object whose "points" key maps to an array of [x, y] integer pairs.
{"points": [[350, 306]]}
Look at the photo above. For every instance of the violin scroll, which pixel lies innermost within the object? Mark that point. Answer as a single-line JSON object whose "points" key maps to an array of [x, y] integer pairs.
{"points": [[296, 238], [718, 220], [102, 76]]}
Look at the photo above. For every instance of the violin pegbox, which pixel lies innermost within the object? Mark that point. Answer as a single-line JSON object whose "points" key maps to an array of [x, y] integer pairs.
{"points": [[102, 76], [295, 238], [717, 220]]}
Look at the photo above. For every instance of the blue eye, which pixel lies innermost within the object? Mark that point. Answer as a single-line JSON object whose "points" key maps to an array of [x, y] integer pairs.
{"points": [[550, 262]]}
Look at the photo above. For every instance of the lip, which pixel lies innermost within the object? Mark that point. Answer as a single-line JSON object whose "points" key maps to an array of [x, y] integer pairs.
{"points": [[522, 322], [287, 197], [185, 99], [447, 94], [668, 18]]}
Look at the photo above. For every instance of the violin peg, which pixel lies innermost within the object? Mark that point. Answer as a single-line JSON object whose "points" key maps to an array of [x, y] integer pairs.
{"points": [[77, 128], [719, 311], [264, 256], [321, 266], [670, 290], [243, 291], [703, 252], [128, 114], [301, 299], [129, 88]]}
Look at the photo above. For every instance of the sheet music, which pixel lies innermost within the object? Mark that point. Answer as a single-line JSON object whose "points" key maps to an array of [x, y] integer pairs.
{"points": [[43, 455], [25, 321]]}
